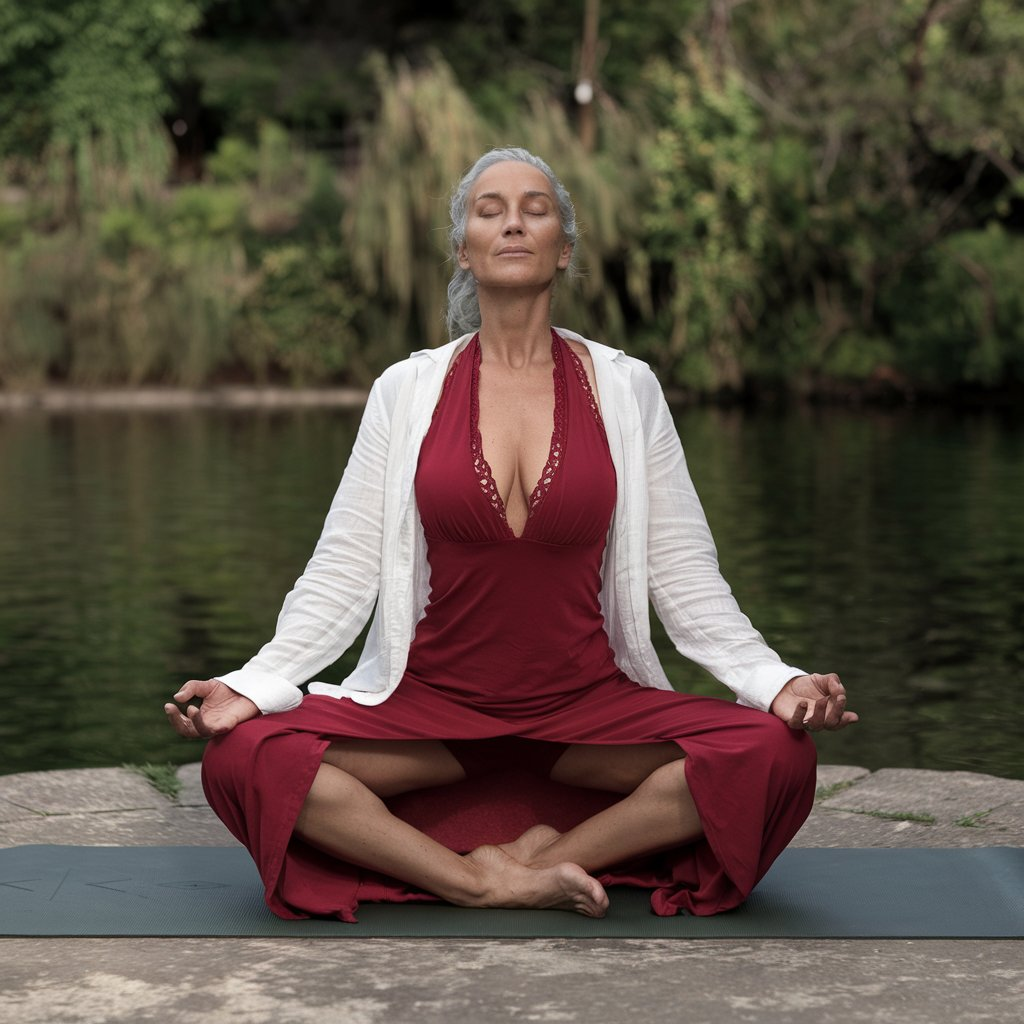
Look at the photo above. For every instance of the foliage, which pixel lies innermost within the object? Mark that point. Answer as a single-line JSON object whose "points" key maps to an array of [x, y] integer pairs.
{"points": [[898, 128], [299, 319], [312, 85], [206, 211], [233, 162], [425, 135], [90, 66], [968, 298], [117, 304], [787, 195], [706, 216]]}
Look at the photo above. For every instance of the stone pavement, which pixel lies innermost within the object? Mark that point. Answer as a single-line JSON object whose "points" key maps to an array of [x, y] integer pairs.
{"points": [[610, 981]]}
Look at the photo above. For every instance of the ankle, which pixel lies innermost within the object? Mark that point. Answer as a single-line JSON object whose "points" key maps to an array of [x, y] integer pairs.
{"points": [[475, 884], [548, 855]]}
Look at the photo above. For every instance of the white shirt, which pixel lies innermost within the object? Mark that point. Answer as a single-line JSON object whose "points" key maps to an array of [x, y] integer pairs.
{"points": [[373, 551]]}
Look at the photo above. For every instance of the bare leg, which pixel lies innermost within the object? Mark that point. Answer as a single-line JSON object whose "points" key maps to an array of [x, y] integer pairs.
{"points": [[658, 814], [343, 816]]}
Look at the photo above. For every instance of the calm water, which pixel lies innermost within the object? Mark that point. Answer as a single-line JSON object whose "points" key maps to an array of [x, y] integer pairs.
{"points": [[139, 549]]}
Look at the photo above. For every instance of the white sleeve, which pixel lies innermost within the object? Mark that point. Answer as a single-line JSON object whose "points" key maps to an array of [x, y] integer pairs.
{"points": [[332, 600], [689, 594]]}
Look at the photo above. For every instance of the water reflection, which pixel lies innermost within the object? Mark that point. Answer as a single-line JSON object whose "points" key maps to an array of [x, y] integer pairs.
{"points": [[139, 549]]}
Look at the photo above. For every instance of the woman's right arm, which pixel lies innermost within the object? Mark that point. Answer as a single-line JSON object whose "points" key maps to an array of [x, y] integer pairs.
{"points": [[333, 598]]}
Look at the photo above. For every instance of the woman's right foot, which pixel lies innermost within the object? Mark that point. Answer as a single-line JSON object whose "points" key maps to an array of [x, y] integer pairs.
{"points": [[529, 847], [506, 882]]}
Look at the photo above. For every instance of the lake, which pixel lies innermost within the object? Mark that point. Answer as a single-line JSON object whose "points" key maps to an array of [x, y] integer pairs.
{"points": [[141, 548]]}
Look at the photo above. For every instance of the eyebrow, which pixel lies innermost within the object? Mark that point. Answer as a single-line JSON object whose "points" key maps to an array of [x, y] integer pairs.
{"points": [[529, 194]]}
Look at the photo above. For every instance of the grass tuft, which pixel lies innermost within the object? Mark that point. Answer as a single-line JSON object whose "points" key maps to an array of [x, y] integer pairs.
{"points": [[162, 777], [921, 819], [975, 820], [825, 792]]}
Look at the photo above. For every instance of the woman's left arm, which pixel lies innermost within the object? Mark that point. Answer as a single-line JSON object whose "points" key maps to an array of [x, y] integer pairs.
{"points": [[696, 604]]}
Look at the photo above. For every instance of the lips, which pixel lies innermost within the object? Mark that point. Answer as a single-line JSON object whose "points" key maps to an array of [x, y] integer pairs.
{"points": [[514, 250]]}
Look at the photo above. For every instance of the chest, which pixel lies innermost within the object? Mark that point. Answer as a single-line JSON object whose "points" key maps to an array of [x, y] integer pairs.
{"points": [[516, 421]]}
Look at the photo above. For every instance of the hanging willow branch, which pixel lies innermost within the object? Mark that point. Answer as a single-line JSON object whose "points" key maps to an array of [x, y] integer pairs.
{"points": [[426, 134]]}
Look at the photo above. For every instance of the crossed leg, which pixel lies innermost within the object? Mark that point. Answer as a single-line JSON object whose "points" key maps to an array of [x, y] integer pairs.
{"points": [[657, 812], [345, 815]]}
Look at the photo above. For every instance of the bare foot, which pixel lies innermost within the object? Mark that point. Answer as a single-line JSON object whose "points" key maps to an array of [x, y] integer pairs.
{"points": [[505, 882], [531, 844]]}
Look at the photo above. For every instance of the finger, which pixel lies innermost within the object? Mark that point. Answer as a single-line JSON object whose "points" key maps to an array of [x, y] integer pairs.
{"points": [[845, 719], [796, 720], [814, 719], [193, 688], [828, 684], [200, 725], [834, 712], [196, 722], [179, 723]]}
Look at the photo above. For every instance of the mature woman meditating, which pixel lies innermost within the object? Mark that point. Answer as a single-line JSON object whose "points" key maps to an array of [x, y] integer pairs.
{"points": [[508, 738]]}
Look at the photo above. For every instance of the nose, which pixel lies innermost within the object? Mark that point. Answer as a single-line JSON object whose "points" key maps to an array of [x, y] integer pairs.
{"points": [[513, 222]]}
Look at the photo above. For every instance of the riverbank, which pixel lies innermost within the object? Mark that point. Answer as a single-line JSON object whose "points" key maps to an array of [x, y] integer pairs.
{"points": [[372, 981], [836, 394], [226, 397]]}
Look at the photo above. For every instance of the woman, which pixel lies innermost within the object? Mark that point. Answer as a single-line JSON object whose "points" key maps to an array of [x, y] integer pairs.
{"points": [[508, 737]]}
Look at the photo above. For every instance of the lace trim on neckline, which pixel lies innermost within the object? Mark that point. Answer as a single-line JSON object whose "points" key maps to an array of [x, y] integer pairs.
{"points": [[555, 453], [581, 376]]}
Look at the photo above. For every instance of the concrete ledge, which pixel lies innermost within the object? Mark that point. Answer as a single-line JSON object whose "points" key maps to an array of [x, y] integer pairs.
{"points": [[435, 981], [855, 807], [427, 981], [191, 794], [79, 791], [913, 807]]}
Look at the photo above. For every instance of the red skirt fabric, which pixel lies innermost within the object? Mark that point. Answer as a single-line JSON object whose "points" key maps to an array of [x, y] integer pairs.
{"points": [[751, 777]]}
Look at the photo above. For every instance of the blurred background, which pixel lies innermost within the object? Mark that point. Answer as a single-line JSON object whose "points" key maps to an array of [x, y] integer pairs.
{"points": [[808, 218]]}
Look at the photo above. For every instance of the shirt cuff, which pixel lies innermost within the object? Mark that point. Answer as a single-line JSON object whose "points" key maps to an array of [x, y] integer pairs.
{"points": [[267, 690], [762, 686]]}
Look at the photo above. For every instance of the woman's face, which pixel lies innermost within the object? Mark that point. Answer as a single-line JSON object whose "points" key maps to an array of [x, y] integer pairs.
{"points": [[514, 235]]}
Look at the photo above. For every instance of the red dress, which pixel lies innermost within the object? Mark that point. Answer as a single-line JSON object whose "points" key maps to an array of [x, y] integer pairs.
{"points": [[509, 665]]}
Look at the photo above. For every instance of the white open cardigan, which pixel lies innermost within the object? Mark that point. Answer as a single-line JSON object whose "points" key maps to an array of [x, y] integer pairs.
{"points": [[373, 551]]}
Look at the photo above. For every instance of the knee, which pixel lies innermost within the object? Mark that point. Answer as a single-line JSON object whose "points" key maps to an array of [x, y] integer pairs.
{"points": [[334, 796], [792, 751], [227, 759], [668, 781]]}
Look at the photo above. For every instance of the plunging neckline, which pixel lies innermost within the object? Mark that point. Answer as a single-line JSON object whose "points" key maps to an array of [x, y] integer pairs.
{"points": [[556, 448]]}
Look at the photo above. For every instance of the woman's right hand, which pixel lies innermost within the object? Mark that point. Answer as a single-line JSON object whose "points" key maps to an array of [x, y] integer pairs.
{"points": [[221, 709]]}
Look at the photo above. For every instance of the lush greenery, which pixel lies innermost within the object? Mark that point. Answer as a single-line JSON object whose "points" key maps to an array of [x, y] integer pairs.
{"points": [[794, 195]]}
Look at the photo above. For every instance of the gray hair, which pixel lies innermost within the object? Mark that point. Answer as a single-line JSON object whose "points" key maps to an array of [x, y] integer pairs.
{"points": [[463, 314]]}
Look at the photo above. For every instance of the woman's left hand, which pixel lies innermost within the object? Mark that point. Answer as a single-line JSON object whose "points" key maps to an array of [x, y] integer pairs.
{"points": [[813, 703]]}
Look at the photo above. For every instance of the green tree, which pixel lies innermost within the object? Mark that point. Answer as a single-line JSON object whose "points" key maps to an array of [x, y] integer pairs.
{"points": [[706, 216], [894, 126], [75, 69]]}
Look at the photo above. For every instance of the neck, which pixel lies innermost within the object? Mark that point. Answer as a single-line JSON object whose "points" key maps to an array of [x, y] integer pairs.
{"points": [[516, 333]]}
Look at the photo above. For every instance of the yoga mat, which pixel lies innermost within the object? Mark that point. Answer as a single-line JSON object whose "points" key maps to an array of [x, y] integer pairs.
{"points": [[808, 893]]}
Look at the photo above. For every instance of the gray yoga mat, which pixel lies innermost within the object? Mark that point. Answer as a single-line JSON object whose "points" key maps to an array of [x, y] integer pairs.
{"points": [[808, 893]]}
